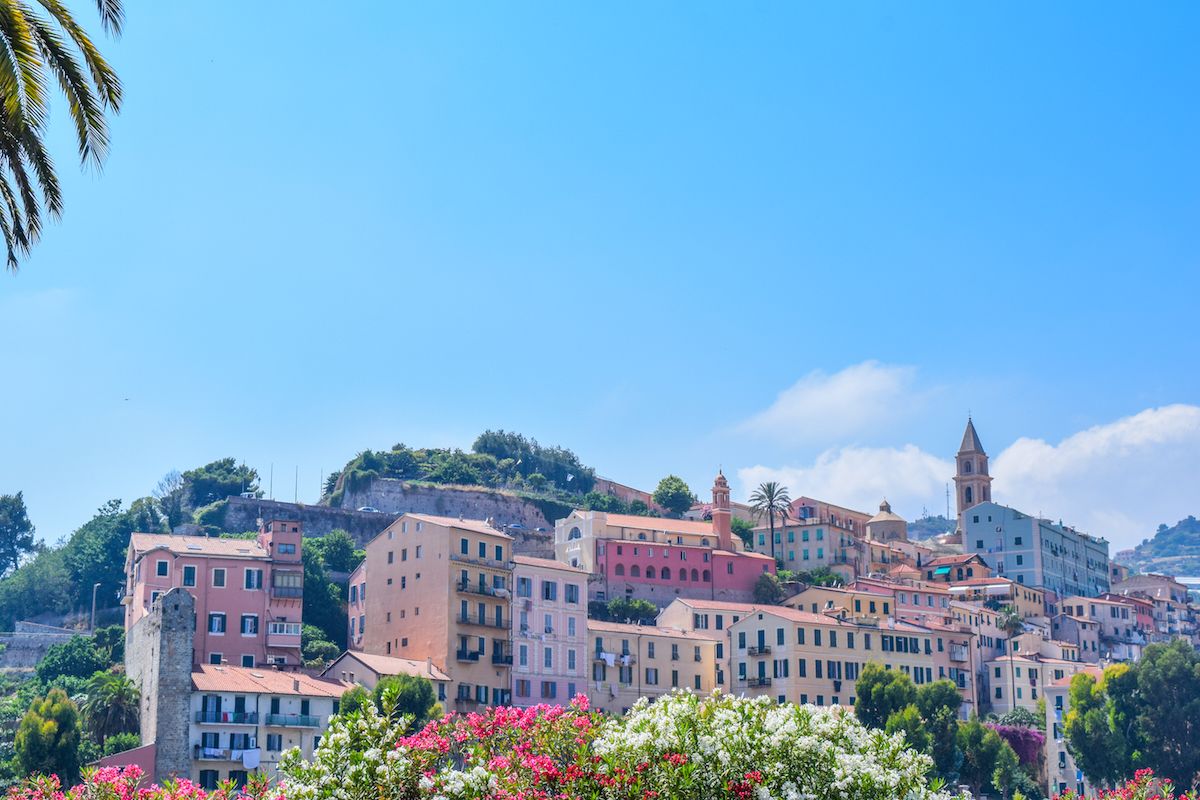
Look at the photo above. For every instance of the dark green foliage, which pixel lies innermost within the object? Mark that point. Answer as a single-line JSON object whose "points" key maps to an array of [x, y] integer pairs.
{"points": [[821, 576], [120, 742], [1174, 550], [620, 609], [599, 501], [560, 467], [218, 480], [674, 495], [47, 739], [397, 695], [337, 550], [986, 758], [110, 643], [744, 531], [908, 720], [77, 657], [16, 532], [324, 601], [315, 647], [938, 705], [1022, 718], [354, 700], [43, 585], [928, 527], [881, 693], [110, 706], [768, 590]]}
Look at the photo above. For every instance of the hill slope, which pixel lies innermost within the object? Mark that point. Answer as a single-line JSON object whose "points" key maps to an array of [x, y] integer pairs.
{"points": [[1174, 550]]}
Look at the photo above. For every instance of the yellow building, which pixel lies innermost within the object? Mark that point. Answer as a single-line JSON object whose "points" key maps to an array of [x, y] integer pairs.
{"points": [[997, 592], [634, 661], [1019, 680], [439, 589], [877, 603]]}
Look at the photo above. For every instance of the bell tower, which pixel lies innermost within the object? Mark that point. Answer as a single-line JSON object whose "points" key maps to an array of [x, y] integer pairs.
{"points": [[722, 513], [972, 483]]}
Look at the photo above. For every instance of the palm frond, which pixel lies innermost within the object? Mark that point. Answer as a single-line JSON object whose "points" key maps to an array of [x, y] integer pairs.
{"points": [[91, 128], [20, 232], [108, 85], [21, 77], [112, 16]]}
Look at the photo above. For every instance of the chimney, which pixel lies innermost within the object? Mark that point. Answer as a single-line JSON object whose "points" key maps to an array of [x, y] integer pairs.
{"points": [[429, 665], [296, 685]]}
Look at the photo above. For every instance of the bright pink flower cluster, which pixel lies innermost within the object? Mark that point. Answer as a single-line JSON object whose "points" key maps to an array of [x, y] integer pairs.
{"points": [[1144, 786], [121, 783]]}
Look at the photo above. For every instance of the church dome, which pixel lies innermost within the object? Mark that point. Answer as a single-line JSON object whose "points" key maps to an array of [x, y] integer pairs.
{"points": [[885, 514]]}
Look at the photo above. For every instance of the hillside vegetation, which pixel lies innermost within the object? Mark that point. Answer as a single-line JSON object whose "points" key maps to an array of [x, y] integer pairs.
{"points": [[1174, 550]]}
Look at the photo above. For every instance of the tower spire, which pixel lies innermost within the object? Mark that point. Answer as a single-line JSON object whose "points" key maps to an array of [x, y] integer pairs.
{"points": [[972, 483]]}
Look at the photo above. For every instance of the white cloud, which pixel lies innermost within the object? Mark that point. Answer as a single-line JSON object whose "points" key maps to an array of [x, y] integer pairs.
{"points": [[1118, 480], [859, 477], [822, 407]]}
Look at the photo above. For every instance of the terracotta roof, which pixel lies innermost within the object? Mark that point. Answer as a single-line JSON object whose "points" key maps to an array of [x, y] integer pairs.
{"points": [[987, 582], [659, 524], [746, 553], [715, 605], [196, 545], [1034, 658], [547, 563], [220, 678], [477, 525], [651, 630], [959, 559], [390, 665]]}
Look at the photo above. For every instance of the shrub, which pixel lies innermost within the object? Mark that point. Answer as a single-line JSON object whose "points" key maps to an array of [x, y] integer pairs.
{"points": [[120, 742]]}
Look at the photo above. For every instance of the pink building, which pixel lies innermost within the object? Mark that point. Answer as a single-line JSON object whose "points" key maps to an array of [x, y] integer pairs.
{"points": [[549, 631], [702, 562], [249, 593]]}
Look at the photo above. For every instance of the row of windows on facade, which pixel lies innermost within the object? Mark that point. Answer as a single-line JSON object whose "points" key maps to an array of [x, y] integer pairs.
{"points": [[665, 573], [887, 642], [522, 687], [252, 577], [500, 696], [838, 671], [211, 741], [212, 708], [791, 537], [651, 650], [625, 676]]}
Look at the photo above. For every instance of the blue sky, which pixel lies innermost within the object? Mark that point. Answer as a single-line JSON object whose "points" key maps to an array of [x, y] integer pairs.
{"points": [[793, 240]]}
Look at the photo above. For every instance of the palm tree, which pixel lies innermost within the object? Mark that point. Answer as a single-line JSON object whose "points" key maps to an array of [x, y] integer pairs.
{"points": [[771, 500], [43, 44], [1010, 622], [111, 705]]}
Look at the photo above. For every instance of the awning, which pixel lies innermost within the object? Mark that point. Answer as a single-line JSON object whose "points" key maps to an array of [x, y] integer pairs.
{"points": [[942, 571]]}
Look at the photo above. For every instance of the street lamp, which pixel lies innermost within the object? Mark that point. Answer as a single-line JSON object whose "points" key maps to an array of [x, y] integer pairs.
{"points": [[94, 588]]}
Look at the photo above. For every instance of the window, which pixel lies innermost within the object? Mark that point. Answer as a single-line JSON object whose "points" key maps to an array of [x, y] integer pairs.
{"points": [[189, 575], [274, 742], [162, 569], [464, 547], [571, 593], [209, 779], [254, 579], [249, 624], [214, 658], [216, 623], [218, 576], [247, 661]]}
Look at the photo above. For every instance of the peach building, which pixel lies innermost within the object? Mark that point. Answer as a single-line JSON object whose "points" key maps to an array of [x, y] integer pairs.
{"points": [[657, 559], [549, 631], [997, 592], [1018, 680], [1062, 773], [439, 589], [711, 618], [629, 662], [249, 593]]}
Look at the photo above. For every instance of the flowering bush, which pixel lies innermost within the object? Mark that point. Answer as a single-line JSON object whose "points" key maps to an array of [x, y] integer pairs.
{"points": [[1144, 786], [681, 746]]}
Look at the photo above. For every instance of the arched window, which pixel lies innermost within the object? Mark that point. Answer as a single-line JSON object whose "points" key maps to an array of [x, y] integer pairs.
{"points": [[969, 495], [970, 572], [574, 534], [650, 572], [641, 537], [683, 574], [666, 573], [635, 571], [704, 542], [707, 576], [620, 570], [966, 467], [695, 575]]}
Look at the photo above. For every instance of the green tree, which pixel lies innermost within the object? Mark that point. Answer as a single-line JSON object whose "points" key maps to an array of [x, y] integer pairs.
{"points": [[908, 721], [881, 693], [76, 657], [47, 739], [938, 704], [218, 480], [1098, 750], [120, 742], [170, 496], [16, 532], [771, 500], [43, 585], [674, 495], [324, 601], [985, 757], [768, 590], [1011, 623], [336, 548], [109, 641], [411, 695], [110, 706], [1168, 714], [354, 700], [621, 609], [46, 48], [316, 650], [743, 530]]}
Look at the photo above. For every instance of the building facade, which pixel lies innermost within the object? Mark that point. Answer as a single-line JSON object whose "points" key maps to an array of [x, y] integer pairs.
{"points": [[1036, 552], [439, 589], [549, 631], [248, 593], [1061, 772], [629, 662]]}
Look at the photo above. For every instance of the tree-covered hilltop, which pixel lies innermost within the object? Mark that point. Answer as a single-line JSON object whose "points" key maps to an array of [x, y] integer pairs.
{"points": [[497, 459], [1174, 550], [929, 526]]}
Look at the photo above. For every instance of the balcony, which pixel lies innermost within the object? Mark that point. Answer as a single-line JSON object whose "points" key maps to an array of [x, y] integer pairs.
{"points": [[484, 621], [294, 720], [502, 659], [486, 591], [616, 659], [287, 592], [958, 652], [227, 717], [283, 634], [466, 655], [763, 650], [489, 563], [466, 704], [758, 681], [201, 753]]}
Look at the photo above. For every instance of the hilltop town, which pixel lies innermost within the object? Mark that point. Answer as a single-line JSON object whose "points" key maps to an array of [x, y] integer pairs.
{"points": [[621, 599]]}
